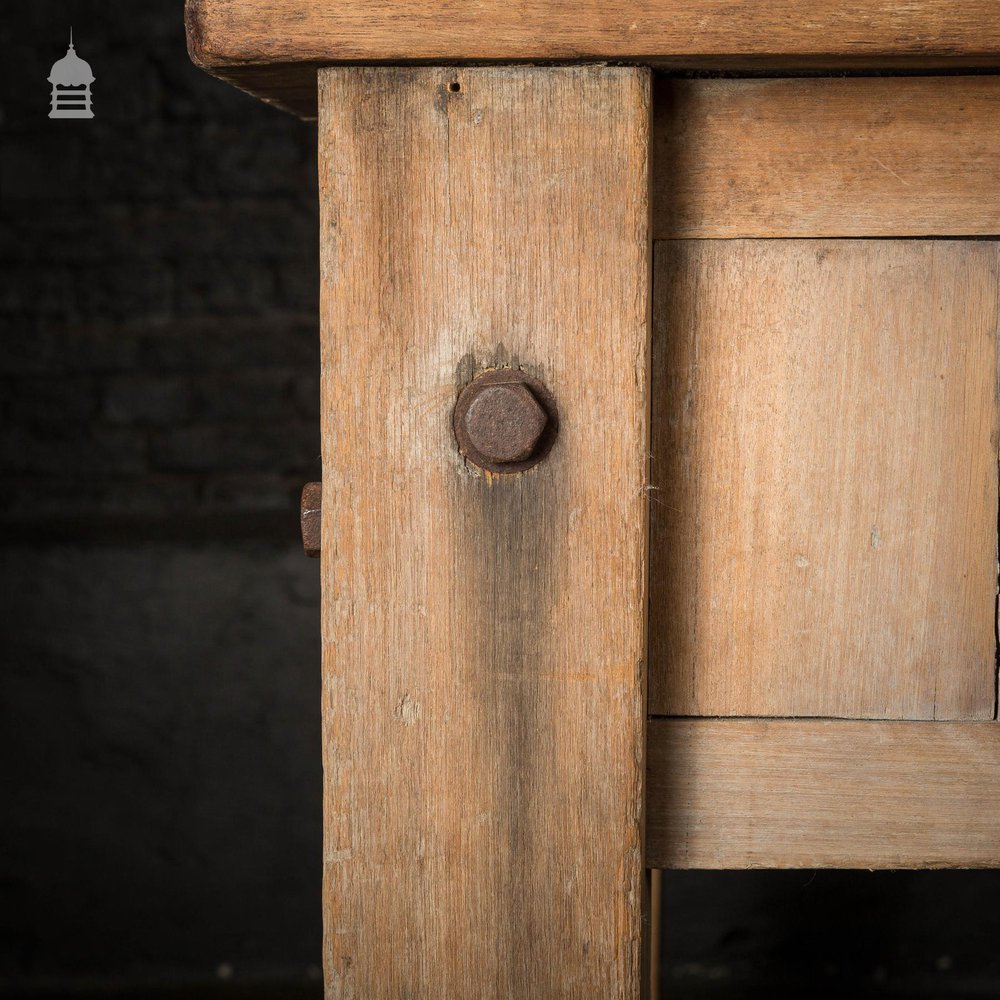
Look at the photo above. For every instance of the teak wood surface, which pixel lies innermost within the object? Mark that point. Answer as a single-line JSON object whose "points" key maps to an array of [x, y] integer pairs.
{"points": [[272, 48], [483, 637], [780, 793], [824, 478]]}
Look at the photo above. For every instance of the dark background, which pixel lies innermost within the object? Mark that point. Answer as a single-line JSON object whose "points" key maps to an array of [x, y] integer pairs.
{"points": [[160, 767]]}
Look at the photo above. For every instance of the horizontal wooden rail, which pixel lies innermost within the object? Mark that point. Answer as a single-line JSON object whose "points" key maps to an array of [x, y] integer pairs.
{"points": [[863, 156], [749, 793], [272, 47]]}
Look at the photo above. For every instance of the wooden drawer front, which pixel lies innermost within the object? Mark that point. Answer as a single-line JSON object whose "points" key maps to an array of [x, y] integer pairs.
{"points": [[824, 515]]}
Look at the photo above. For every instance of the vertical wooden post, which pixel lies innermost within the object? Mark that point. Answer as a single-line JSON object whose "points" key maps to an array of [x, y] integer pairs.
{"points": [[483, 636]]}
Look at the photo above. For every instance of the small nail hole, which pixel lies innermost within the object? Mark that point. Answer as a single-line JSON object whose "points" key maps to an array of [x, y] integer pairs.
{"points": [[454, 86]]}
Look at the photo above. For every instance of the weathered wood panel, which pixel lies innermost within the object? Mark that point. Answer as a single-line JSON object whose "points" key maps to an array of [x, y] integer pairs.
{"points": [[746, 793], [880, 156], [484, 637], [824, 504], [272, 47]]}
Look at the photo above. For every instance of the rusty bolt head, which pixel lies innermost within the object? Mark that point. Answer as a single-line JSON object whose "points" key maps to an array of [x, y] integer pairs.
{"points": [[505, 421], [312, 517]]}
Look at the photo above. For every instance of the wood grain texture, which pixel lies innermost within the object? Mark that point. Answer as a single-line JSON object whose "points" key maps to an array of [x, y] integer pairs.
{"points": [[273, 47], [824, 515], [878, 156], [751, 793], [483, 637]]}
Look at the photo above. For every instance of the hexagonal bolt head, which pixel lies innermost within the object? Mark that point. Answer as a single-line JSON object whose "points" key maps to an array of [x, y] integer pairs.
{"points": [[505, 422]]}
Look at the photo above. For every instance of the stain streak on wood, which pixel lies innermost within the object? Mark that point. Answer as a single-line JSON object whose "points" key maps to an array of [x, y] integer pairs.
{"points": [[484, 636]]}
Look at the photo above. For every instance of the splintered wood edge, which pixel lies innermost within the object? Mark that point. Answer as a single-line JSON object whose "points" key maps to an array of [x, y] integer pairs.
{"points": [[272, 48], [754, 793]]}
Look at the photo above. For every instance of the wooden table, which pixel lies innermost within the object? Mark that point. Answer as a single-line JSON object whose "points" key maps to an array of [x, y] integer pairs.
{"points": [[743, 613]]}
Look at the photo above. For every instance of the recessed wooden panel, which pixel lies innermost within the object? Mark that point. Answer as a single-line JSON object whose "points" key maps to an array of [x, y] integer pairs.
{"points": [[272, 47], [824, 502], [878, 156], [744, 793], [484, 636]]}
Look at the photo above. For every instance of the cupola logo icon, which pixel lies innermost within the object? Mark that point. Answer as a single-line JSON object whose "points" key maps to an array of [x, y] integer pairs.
{"points": [[71, 78]]}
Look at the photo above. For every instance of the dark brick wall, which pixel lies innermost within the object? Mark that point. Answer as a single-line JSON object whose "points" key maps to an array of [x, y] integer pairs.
{"points": [[159, 715], [159, 653], [160, 282]]}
